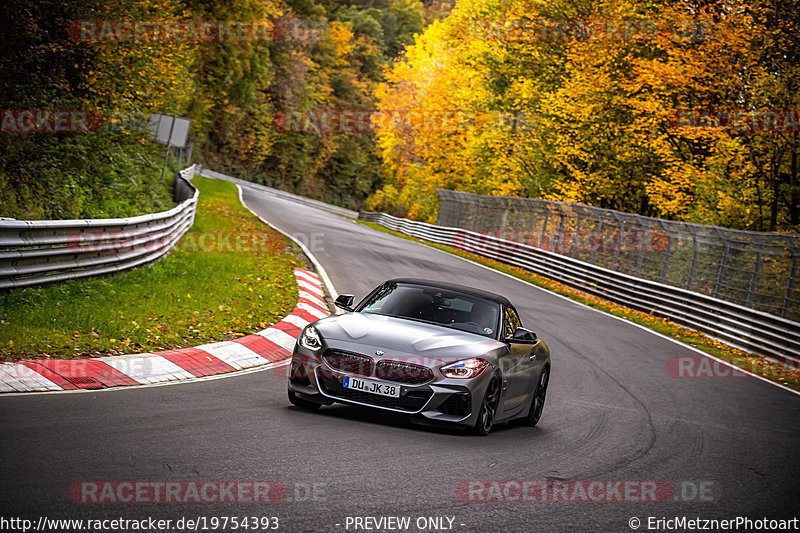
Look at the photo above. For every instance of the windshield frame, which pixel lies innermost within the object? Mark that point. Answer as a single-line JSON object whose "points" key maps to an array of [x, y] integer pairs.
{"points": [[496, 330]]}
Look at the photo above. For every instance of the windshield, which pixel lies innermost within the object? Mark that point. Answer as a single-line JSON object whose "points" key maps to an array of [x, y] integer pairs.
{"points": [[436, 306]]}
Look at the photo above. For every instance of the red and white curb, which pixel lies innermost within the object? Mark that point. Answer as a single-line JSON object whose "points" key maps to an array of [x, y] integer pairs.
{"points": [[264, 347]]}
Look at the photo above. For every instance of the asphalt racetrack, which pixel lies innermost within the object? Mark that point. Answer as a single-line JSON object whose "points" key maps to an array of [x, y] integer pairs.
{"points": [[716, 448]]}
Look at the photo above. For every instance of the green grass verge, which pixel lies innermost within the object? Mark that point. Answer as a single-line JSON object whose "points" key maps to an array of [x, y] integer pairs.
{"points": [[789, 377], [229, 275]]}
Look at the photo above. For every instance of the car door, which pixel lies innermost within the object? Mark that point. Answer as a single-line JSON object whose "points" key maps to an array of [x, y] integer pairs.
{"points": [[519, 374]]}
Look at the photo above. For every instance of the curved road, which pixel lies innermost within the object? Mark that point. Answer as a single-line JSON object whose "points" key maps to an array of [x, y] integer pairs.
{"points": [[727, 446]]}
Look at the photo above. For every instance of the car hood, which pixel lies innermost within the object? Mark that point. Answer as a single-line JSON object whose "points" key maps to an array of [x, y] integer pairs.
{"points": [[398, 336]]}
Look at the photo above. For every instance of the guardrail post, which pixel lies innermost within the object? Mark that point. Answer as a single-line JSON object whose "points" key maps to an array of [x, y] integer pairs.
{"points": [[640, 259], [459, 211], [665, 265], [754, 278], [531, 225], [694, 257], [473, 213], [787, 300], [576, 238], [560, 230], [598, 242], [544, 227], [722, 264], [615, 261]]}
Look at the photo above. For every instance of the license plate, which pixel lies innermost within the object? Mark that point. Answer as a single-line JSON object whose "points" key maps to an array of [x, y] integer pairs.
{"points": [[372, 387]]}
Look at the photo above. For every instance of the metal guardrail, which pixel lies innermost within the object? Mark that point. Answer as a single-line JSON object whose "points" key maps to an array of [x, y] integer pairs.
{"points": [[33, 252], [736, 325], [754, 269], [335, 209]]}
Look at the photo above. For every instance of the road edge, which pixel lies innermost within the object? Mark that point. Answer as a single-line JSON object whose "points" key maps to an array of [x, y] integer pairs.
{"points": [[329, 287]]}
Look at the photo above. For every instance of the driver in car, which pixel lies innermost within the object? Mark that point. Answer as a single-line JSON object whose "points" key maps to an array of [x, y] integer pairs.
{"points": [[485, 316]]}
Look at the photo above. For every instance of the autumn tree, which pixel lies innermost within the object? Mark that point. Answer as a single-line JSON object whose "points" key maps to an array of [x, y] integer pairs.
{"points": [[45, 66], [615, 104]]}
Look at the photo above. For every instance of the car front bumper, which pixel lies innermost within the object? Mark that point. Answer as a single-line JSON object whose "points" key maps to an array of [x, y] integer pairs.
{"points": [[440, 400]]}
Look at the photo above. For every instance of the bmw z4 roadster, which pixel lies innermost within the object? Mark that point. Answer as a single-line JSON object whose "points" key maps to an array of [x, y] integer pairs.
{"points": [[442, 353]]}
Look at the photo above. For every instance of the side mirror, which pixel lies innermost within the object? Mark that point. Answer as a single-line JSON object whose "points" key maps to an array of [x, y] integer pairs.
{"points": [[523, 336], [344, 301]]}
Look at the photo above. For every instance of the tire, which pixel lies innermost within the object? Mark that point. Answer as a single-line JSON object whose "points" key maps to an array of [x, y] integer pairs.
{"points": [[488, 409], [539, 396], [299, 402]]}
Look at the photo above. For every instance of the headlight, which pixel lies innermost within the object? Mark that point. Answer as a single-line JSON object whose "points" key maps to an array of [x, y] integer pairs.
{"points": [[310, 339], [466, 368]]}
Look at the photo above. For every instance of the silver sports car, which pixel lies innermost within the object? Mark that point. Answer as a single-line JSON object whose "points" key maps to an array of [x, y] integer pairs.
{"points": [[439, 352]]}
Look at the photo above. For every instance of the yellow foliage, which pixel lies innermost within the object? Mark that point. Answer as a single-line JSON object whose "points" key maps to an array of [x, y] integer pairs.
{"points": [[342, 35], [593, 120]]}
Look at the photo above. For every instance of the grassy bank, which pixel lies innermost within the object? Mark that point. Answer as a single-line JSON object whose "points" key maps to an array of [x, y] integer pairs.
{"points": [[104, 174], [229, 276], [755, 363]]}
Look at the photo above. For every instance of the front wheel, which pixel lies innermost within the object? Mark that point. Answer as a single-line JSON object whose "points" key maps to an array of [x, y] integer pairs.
{"points": [[539, 395], [488, 408], [300, 402]]}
